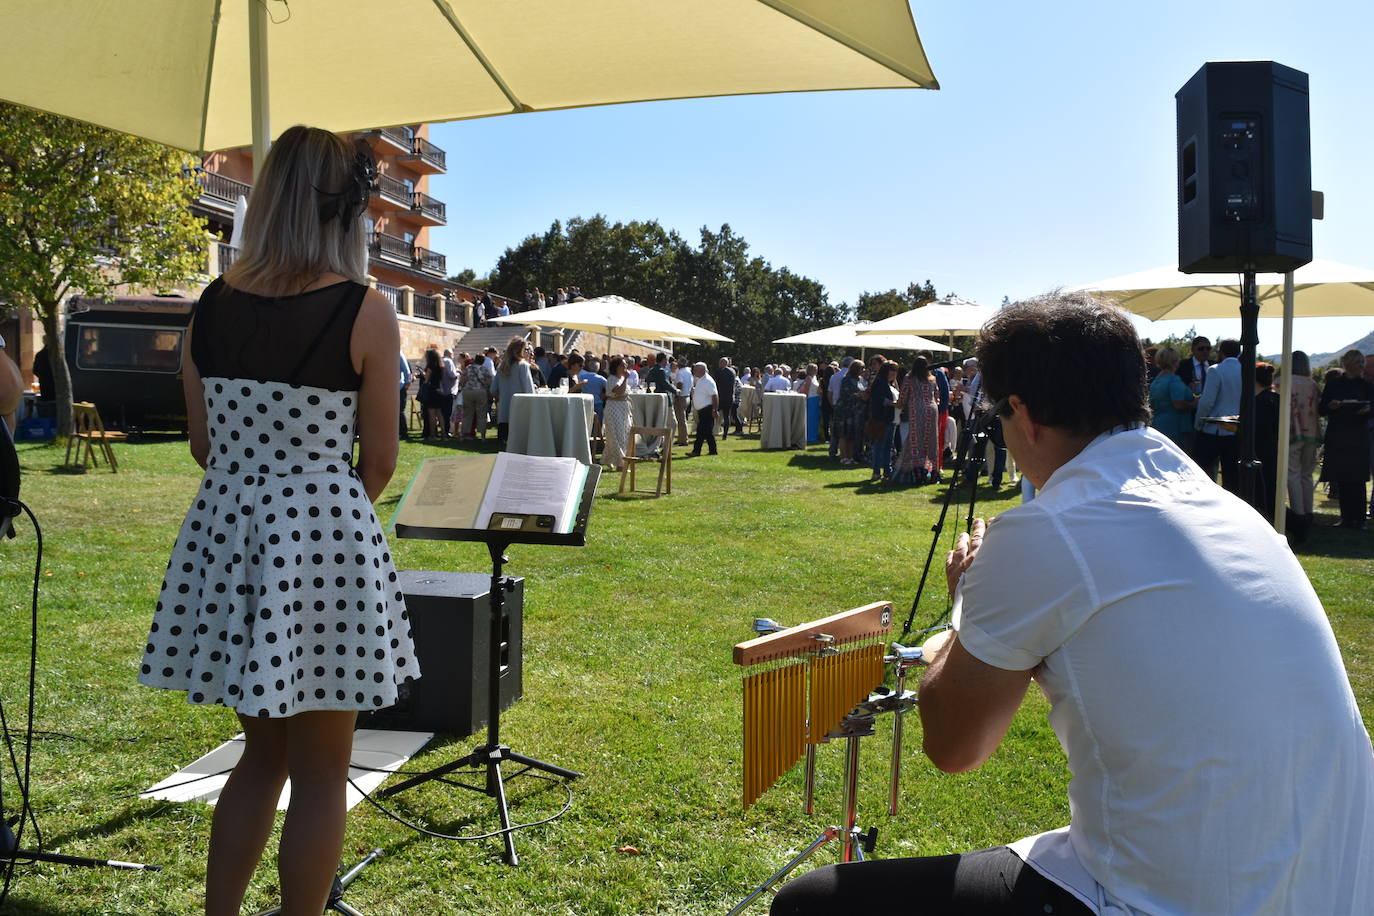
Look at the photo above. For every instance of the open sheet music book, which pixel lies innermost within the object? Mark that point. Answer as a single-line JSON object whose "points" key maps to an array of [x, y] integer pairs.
{"points": [[523, 492]]}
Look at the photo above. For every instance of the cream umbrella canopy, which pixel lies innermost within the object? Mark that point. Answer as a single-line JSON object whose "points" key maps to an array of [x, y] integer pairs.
{"points": [[202, 75], [1322, 289], [614, 316], [1319, 288], [949, 316], [848, 335]]}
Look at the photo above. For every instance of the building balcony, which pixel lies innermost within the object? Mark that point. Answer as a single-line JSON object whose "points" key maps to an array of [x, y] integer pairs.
{"points": [[425, 158], [219, 191], [389, 248], [393, 295], [431, 262], [429, 211], [228, 254], [389, 141], [394, 192]]}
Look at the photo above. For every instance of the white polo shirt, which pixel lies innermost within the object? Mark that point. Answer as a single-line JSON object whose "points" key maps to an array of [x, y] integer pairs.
{"points": [[684, 379], [1219, 761], [702, 391]]}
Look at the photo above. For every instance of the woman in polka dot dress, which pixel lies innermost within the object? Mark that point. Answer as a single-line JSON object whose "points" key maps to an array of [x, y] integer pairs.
{"points": [[281, 600]]}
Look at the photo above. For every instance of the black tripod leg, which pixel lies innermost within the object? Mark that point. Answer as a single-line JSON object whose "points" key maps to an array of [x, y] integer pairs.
{"points": [[471, 760], [535, 764], [507, 837]]}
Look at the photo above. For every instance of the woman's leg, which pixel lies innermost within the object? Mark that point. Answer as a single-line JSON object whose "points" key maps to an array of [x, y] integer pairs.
{"points": [[244, 814], [318, 746]]}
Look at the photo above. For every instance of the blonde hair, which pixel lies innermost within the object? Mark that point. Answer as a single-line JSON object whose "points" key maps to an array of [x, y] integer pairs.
{"points": [[286, 246], [1167, 358]]}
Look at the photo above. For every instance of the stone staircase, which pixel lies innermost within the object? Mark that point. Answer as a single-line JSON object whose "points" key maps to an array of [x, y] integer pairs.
{"points": [[478, 339]]}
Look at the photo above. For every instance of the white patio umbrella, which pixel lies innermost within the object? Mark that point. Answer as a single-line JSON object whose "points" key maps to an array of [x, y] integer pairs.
{"points": [[847, 335], [203, 75], [1315, 290], [614, 316], [949, 316]]}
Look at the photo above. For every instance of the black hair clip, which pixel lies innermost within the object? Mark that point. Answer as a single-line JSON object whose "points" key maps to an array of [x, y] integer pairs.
{"points": [[352, 199]]}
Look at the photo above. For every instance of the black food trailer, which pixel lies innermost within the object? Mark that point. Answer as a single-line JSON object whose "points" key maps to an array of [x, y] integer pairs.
{"points": [[125, 357]]}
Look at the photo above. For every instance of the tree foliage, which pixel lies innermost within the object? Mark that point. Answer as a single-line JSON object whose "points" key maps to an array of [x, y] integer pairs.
{"points": [[85, 210], [877, 306], [717, 283]]}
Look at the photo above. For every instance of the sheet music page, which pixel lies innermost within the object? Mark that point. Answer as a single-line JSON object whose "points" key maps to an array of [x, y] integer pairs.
{"points": [[446, 492], [529, 485]]}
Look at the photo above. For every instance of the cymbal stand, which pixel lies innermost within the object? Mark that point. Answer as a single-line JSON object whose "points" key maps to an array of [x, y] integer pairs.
{"points": [[857, 842]]}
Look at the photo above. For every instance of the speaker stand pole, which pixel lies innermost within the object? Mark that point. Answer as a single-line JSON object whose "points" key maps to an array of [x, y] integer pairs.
{"points": [[1249, 471], [491, 754]]}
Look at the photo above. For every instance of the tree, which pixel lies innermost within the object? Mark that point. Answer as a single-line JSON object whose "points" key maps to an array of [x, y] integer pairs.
{"points": [[88, 210], [877, 306]]}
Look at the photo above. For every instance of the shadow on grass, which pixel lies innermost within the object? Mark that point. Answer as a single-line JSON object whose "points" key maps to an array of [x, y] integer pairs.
{"points": [[1328, 540], [110, 826], [17, 905]]}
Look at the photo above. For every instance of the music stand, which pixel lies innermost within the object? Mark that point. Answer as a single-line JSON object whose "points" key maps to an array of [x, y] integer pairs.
{"points": [[491, 754]]}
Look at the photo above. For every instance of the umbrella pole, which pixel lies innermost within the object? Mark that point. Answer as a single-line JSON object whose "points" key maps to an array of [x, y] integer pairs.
{"points": [[1249, 476], [258, 83], [1285, 406]]}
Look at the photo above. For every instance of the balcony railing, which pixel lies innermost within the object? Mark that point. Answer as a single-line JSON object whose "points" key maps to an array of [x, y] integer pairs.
{"points": [[454, 313], [436, 210], [426, 307], [389, 246], [393, 294], [402, 135], [430, 261], [222, 187], [395, 189], [228, 254], [430, 153]]}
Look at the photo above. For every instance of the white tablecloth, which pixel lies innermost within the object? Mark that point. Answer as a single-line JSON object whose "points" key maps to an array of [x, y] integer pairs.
{"points": [[649, 409], [748, 403], [784, 420], [552, 425]]}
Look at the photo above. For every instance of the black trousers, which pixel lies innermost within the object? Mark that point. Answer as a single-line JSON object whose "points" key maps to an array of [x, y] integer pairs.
{"points": [[729, 416], [706, 430], [405, 428], [1350, 494], [987, 881], [1210, 449]]}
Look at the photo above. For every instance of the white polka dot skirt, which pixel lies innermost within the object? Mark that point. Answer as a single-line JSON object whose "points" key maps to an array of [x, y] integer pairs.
{"points": [[280, 596]]}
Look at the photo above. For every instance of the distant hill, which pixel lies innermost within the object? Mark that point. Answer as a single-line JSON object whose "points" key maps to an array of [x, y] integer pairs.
{"points": [[1365, 345]]}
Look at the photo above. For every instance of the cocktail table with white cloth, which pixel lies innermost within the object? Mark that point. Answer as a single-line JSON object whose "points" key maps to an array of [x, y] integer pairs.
{"points": [[551, 425], [784, 420], [655, 410]]}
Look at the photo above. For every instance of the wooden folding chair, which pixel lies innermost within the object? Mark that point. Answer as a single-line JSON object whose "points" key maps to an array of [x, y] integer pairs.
{"points": [[87, 433], [664, 458]]}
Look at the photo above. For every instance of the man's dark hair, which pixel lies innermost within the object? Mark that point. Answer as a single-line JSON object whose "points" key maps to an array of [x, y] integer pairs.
{"points": [[1074, 360], [661, 358], [538, 352], [1228, 347], [575, 359], [1264, 374]]}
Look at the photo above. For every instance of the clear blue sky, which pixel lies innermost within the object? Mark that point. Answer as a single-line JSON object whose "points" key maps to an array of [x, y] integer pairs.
{"points": [[1046, 158]]}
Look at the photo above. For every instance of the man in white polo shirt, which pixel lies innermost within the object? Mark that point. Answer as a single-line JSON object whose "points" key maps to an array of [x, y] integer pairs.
{"points": [[1219, 761], [705, 400]]}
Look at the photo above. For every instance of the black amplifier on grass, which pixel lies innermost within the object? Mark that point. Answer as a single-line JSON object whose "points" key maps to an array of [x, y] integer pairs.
{"points": [[450, 619]]}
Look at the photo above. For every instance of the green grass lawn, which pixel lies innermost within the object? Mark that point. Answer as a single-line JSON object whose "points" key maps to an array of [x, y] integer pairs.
{"points": [[627, 678]]}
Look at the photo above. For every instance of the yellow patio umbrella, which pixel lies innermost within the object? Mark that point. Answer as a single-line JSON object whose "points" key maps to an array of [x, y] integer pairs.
{"points": [[203, 75]]}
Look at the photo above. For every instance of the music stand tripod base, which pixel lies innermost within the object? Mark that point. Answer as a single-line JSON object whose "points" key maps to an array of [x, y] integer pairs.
{"points": [[492, 754], [341, 883]]}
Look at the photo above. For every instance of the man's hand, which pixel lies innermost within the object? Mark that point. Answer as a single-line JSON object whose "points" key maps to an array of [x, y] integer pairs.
{"points": [[965, 549]]}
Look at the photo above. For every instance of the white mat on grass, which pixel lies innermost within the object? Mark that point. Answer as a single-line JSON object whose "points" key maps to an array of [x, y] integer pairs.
{"points": [[374, 750]]}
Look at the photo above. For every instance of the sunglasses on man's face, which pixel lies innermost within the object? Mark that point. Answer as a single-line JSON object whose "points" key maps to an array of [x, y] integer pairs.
{"points": [[1203, 349]]}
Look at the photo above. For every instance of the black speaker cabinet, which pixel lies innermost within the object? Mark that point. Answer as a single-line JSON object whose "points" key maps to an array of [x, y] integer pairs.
{"points": [[1244, 169], [450, 618]]}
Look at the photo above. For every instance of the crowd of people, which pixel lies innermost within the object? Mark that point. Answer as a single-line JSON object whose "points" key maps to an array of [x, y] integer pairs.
{"points": [[1331, 425]]}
